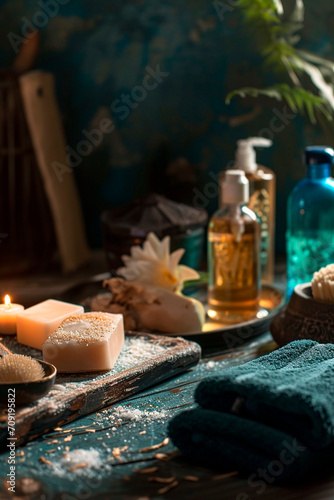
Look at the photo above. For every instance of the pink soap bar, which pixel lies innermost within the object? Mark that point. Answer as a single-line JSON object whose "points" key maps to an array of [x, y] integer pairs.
{"points": [[35, 324], [85, 342]]}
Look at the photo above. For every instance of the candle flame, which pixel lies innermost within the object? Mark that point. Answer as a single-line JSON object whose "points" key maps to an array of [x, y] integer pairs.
{"points": [[7, 300]]}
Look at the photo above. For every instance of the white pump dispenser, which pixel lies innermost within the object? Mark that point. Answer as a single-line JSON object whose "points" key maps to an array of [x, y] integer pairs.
{"points": [[261, 198], [233, 254], [245, 158]]}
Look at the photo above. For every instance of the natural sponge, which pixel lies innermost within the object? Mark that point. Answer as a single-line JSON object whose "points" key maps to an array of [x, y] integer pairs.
{"points": [[323, 284]]}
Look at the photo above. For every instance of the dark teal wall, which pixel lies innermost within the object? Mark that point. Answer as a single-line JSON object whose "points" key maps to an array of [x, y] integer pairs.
{"points": [[99, 50]]}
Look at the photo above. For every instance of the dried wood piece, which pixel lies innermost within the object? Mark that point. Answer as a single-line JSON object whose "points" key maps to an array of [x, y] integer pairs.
{"points": [[90, 430], [167, 456], [58, 429], [67, 448], [167, 488], [191, 478], [163, 480], [142, 432], [117, 452], [78, 466], [68, 438], [54, 441], [45, 461], [20, 454], [155, 446], [224, 476], [146, 470], [51, 451]]}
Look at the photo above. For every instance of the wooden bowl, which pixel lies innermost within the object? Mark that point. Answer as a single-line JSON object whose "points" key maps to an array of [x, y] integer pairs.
{"points": [[28, 392], [304, 318]]}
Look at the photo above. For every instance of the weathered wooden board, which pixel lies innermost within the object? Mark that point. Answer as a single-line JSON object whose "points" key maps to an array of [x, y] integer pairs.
{"points": [[144, 361]]}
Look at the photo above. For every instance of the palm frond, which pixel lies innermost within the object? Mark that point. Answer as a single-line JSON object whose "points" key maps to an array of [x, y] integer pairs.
{"points": [[277, 36]]}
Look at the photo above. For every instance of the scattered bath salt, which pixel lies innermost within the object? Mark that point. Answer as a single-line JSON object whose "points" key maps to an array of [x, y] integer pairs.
{"points": [[58, 387], [210, 365], [137, 415], [79, 462]]}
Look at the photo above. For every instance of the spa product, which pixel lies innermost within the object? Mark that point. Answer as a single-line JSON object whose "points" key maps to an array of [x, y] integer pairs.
{"points": [[150, 297], [323, 284], [261, 199], [85, 342], [36, 323], [233, 254], [310, 219], [151, 308]]}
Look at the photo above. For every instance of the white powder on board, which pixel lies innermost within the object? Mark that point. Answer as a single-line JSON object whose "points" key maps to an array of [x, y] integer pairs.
{"points": [[135, 414], [74, 458]]}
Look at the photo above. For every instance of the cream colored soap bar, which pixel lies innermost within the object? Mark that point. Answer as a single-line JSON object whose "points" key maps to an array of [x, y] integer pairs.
{"points": [[85, 342], [35, 324]]}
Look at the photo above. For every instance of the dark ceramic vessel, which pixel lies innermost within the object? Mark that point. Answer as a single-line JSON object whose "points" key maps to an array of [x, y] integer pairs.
{"points": [[28, 392], [304, 318]]}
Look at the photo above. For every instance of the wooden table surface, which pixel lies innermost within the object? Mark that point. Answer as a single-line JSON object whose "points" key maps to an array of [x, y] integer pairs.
{"points": [[121, 433]]}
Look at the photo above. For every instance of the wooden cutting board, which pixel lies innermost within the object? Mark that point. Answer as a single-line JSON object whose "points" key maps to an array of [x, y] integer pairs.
{"points": [[145, 360]]}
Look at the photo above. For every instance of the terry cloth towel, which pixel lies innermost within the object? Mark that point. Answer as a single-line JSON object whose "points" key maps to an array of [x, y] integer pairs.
{"points": [[291, 389], [226, 441], [251, 413]]}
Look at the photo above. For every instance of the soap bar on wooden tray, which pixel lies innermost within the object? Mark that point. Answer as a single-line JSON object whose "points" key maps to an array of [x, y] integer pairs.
{"points": [[35, 324], [85, 342]]}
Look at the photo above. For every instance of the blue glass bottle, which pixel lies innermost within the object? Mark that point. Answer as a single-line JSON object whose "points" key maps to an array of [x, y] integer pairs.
{"points": [[310, 219]]}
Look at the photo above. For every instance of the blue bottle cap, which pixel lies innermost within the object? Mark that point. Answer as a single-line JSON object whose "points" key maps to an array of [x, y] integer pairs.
{"points": [[319, 155]]}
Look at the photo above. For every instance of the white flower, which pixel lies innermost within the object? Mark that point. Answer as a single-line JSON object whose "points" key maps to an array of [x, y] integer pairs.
{"points": [[154, 265]]}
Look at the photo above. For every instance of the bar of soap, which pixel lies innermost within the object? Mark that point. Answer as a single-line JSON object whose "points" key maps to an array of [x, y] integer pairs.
{"points": [[86, 342], [35, 324]]}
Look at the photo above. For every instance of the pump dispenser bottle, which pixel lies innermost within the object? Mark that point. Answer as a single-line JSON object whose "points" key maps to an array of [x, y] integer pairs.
{"points": [[262, 199], [310, 219], [233, 256]]}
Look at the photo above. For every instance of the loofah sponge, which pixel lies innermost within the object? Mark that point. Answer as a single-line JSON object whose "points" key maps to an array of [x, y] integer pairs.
{"points": [[18, 368], [323, 284]]}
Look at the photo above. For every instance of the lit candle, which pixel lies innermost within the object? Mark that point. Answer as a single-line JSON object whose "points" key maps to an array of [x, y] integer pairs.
{"points": [[8, 315]]}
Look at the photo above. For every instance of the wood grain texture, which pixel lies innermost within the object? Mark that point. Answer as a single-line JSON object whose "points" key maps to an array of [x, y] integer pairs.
{"points": [[35, 420]]}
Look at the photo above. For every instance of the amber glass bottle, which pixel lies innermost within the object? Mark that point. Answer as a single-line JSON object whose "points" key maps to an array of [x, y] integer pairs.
{"points": [[262, 188], [233, 254]]}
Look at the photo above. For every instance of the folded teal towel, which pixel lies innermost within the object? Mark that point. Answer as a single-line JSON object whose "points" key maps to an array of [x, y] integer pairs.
{"points": [[273, 413], [291, 389], [227, 442]]}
